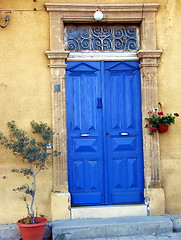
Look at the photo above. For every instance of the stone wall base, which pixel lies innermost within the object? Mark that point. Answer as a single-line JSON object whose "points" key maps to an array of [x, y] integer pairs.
{"points": [[156, 198], [60, 203], [60, 206]]}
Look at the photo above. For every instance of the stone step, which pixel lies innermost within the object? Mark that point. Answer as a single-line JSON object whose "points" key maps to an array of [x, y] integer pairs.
{"points": [[110, 227], [108, 211]]}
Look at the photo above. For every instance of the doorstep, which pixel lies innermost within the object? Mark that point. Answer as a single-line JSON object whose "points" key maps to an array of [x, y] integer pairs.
{"points": [[108, 211]]}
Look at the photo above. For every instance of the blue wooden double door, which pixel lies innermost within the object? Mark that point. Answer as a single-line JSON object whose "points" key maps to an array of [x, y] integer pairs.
{"points": [[104, 133]]}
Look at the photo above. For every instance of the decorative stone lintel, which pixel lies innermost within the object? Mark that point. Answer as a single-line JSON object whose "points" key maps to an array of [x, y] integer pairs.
{"points": [[76, 12], [74, 7]]}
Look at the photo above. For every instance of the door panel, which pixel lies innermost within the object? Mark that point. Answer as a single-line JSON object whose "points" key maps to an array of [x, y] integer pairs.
{"points": [[104, 133], [123, 123], [84, 125]]}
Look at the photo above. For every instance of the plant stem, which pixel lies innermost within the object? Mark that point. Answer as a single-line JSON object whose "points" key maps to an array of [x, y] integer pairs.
{"points": [[33, 196]]}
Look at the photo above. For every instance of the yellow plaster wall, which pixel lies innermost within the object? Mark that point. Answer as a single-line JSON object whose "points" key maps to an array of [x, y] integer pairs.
{"points": [[25, 93], [169, 32]]}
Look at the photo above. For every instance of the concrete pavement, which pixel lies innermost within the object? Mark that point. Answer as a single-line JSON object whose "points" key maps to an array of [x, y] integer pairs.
{"points": [[169, 236]]}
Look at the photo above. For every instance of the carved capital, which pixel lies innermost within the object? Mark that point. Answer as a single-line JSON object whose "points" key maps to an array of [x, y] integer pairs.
{"points": [[57, 54], [149, 58], [57, 58], [149, 53]]}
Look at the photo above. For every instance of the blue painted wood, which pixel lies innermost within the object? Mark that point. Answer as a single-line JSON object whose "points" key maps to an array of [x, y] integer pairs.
{"points": [[123, 115], [84, 124], [104, 97]]}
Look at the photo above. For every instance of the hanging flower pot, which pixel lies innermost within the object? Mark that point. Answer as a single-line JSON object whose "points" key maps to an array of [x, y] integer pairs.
{"points": [[163, 128], [32, 231], [159, 121]]}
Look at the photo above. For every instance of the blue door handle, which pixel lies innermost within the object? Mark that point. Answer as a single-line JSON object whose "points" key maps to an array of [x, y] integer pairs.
{"points": [[99, 103]]}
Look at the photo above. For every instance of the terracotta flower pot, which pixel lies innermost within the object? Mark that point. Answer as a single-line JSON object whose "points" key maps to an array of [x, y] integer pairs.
{"points": [[32, 231], [163, 128]]}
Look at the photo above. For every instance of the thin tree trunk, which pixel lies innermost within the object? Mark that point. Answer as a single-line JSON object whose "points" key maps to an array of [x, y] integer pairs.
{"points": [[33, 196]]}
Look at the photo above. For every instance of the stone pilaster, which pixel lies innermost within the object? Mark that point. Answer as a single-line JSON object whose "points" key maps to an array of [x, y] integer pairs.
{"points": [[149, 65], [57, 65]]}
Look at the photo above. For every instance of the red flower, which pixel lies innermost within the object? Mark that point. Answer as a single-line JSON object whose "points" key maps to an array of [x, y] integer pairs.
{"points": [[146, 125], [176, 114], [160, 113], [151, 121], [154, 129]]}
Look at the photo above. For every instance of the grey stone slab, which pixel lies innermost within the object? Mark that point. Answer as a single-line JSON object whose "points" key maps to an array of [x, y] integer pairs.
{"points": [[150, 237], [109, 221], [132, 238], [124, 238], [137, 238], [163, 237], [174, 236], [104, 238], [113, 238], [48, 233], [9, 231], [177, 223], [169, 236], [103, 228], [98, 239], [141, 238]]}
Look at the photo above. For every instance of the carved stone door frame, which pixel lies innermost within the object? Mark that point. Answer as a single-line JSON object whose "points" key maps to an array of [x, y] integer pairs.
{"points": [[142, 14]]}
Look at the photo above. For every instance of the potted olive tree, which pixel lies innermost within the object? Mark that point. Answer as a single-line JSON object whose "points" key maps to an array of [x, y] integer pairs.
{"points": [[34, 154]]}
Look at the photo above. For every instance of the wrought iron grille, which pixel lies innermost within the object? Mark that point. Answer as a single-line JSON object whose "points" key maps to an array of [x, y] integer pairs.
{"points": [[101, 38]]}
